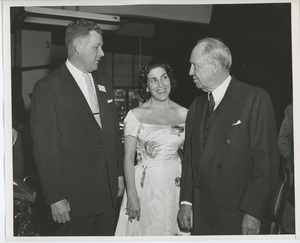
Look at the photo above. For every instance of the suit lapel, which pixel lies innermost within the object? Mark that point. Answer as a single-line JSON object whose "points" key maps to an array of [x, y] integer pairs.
{"points": [[226, 114], [200, 116], [201, 107], [74, 90]]}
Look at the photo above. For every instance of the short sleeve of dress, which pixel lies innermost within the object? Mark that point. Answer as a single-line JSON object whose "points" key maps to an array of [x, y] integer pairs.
{"points": [[131, 125]]}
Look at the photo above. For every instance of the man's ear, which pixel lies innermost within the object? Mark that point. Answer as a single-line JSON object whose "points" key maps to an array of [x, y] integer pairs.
{"points": [[77, 46], [215, 66]]}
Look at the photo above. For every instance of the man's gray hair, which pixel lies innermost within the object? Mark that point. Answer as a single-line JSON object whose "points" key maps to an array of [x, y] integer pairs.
{"points": [[216, 50]]}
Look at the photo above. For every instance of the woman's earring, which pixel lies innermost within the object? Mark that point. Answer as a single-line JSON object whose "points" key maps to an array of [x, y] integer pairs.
{"points": [[147, 90]]}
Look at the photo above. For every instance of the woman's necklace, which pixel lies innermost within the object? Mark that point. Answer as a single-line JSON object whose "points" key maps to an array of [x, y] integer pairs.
{"points": [[164, 116]]}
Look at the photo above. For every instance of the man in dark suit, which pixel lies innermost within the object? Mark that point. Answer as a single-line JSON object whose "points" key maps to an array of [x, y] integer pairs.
{"points": [[231, 155], [76, 140]]}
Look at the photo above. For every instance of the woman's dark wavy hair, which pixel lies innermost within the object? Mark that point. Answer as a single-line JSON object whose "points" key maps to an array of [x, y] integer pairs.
{"points": [[145, 70]]}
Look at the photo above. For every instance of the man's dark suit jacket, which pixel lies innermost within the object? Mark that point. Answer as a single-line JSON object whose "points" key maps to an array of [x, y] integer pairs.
{"points": [[236, 170], [74, 156]]}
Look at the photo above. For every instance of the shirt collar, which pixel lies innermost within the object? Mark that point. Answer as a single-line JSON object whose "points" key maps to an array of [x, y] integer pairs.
{"points": [[76, 73], [219, 92]]}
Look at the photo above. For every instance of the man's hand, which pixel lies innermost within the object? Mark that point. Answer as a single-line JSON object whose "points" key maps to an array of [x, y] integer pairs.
{"points": [[185, 217], [250, 225], [121, 186], [60, 211]]}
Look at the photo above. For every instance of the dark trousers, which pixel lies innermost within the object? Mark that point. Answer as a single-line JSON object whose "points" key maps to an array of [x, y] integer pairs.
{"points": [[98, 225], [211, 217]]}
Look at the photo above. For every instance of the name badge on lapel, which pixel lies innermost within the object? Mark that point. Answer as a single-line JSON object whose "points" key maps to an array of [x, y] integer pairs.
{"points": [[101, 88]]}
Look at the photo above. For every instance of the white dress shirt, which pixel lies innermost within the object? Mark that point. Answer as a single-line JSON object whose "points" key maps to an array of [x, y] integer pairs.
{"points": [[80, 80], [219, 92]]}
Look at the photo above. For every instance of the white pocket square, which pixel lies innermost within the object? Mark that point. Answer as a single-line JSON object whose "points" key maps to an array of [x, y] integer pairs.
{"points": [[236, 123], [109, 101]]}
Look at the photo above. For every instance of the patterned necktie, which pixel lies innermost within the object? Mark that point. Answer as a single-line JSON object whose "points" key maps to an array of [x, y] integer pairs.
{"points": [[211, 103], [94, 105]]}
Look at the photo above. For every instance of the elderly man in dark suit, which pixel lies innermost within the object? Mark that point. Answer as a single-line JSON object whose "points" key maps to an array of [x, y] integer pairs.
{"points": [[231, 155], [76, 140]]}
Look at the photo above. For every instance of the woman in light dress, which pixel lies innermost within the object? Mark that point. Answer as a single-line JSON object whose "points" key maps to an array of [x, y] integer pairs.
{"points": [[153, 133]]}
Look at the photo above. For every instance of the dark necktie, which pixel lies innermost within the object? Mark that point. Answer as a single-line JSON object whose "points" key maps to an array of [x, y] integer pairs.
{"points": [[207, 122], [211, 103]]}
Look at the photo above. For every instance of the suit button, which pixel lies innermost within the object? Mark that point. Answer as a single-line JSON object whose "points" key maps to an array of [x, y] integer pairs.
{"points": [[218, 190], [219, 166], [228, 141]]}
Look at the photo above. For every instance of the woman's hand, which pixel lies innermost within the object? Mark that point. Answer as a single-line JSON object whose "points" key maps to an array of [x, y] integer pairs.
{"points": [[133, 207]]}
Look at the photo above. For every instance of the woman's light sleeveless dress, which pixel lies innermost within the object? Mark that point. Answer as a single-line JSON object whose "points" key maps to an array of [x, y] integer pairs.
{"points": [[157, 179]]}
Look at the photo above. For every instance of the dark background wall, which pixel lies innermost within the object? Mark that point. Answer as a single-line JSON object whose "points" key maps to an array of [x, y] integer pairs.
{"points": [[259, 36]]}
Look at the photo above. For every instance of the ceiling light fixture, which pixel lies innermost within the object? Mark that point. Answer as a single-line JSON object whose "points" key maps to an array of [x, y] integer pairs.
{"points": [[52, 16]]}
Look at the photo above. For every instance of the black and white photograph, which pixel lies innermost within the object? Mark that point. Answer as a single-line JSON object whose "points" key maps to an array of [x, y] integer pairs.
{"points": [[150, 121]]}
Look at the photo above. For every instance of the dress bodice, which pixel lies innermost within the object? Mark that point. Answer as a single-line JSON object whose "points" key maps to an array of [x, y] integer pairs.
{"points": [[155, 143]]}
